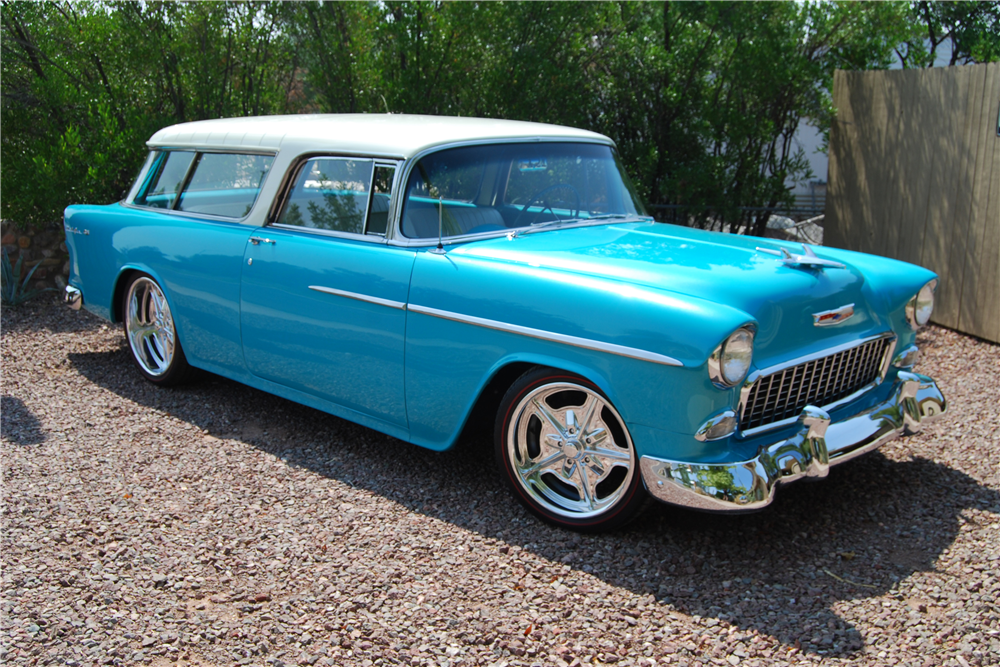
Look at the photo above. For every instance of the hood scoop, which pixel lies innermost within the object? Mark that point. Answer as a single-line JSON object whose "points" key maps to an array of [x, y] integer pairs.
{"points": [[807, 258]]}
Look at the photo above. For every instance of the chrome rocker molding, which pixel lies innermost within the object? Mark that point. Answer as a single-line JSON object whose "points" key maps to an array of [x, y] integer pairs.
{"points": [[73, 297], [818, 444]]}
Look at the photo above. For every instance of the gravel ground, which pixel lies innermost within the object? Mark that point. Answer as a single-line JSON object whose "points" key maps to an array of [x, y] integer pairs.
{"points": [[215, 525]]}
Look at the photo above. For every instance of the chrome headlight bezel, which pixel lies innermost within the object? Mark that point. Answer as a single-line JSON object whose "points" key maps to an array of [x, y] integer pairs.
{"points": [[720, 366], [920, 308]]}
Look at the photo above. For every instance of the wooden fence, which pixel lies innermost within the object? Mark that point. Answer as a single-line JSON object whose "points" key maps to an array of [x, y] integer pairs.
{"points": [[915, 175]]}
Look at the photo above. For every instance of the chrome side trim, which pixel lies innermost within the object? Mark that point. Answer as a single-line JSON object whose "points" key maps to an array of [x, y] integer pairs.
{"points": [[398, 305], [586, 343], [744, 486]]}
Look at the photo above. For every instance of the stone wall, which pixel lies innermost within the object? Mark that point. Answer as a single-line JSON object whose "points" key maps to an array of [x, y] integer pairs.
{"points": [[44, 247]]}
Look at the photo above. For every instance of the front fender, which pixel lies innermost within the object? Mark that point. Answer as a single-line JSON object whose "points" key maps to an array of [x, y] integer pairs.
{"points": [[451, 354]]}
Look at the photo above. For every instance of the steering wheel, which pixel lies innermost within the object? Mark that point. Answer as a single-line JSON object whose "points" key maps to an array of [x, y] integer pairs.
{"points": [[538, 196]]}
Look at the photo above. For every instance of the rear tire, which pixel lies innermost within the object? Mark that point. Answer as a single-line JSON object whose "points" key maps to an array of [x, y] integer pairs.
{"points": [[566, 454], [151, 333]]}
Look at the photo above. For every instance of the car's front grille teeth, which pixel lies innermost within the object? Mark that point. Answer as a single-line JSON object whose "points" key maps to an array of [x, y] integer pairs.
{"points": [[819, 382]]}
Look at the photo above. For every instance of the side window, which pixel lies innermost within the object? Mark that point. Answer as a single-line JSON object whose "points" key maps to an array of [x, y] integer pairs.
{"points": [[225, 184], [330, 194], [378, 211], [167, 180]]}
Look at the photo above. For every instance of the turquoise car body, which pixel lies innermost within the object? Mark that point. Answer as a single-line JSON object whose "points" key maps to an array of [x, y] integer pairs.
{"points": [[634, 306]]}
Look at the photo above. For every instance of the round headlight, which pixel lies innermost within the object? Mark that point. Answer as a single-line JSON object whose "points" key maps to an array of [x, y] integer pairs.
{"points": [[920, 307], [737, 352], [730, 362]]}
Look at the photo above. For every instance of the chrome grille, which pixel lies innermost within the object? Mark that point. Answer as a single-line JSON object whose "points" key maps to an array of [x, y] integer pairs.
{"points": [[819, 382]]}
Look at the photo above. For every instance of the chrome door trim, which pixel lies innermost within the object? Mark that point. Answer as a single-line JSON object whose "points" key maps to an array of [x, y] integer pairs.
{"points": [[360, 297], [585, 343]]}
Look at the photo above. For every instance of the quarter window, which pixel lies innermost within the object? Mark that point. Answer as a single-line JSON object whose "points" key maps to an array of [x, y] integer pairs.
{"points": [[221, 184], [225, 184], [167, 180]]}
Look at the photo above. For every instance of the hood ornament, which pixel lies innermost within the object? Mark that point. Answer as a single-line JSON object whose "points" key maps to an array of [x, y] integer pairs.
{"points": [[807, 258]]}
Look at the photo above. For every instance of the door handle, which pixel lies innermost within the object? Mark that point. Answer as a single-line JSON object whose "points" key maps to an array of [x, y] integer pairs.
{"points": [[257, 240]]}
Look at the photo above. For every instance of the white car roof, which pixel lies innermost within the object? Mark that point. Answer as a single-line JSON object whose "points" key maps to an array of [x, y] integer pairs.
{"points": [[389, 135]]}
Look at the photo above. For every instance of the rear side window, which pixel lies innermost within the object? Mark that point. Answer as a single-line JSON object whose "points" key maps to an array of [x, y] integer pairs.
{"points": [[220, 184], [167, 180], [225, 184]]}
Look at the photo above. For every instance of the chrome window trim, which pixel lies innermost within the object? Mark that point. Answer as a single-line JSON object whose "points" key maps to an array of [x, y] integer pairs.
{"points": [[828, 352], [395, 232], [329, 233], [585, 343], [140, 179], [398, 305], [393, 193], [206, 217], [214, 148]]}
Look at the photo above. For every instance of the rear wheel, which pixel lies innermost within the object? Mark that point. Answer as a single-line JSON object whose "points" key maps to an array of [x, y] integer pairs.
{"points": [[151, 334], [566, 454]]}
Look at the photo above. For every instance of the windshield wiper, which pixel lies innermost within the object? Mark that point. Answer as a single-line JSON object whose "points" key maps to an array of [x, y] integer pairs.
{"points": [[565, 221]]}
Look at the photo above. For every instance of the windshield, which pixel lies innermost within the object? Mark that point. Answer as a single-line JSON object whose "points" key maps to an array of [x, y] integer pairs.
{"points": [[515, 186]]}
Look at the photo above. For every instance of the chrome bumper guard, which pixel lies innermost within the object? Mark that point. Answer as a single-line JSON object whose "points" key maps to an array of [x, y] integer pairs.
{"points": [[73, 297], [818, 444]]}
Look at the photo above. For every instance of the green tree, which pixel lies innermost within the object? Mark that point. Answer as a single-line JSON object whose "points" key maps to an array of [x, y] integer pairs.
{"points": [[86, 83], [972, 30], [704, 98]]}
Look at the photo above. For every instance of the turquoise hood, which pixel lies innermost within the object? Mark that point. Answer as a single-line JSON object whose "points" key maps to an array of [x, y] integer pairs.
{"points": [[721, 268]]}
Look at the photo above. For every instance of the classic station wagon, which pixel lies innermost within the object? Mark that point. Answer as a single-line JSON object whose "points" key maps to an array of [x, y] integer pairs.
{"points": [[409, 272]]}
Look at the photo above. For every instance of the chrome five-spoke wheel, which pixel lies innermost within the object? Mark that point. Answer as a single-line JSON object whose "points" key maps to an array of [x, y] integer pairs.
{"points": [[567, 453], [152, 336]]}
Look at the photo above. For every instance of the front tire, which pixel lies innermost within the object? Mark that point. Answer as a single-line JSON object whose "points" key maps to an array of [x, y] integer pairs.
{"points": [[566, 453], [151, 334]]}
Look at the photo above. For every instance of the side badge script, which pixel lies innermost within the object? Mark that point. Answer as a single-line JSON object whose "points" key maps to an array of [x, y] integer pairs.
{"points": [[836, 316]]}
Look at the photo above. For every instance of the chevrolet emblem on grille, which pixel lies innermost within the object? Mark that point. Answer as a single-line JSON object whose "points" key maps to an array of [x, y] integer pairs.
{"points": [[835, 316]]}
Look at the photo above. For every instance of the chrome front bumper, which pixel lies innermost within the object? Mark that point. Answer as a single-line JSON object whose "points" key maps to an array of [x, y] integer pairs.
{"points": [[818, 444]]}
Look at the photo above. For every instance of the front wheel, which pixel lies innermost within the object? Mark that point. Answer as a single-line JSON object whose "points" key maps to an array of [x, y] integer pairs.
{"points": [[151, 334], [566, 454]]}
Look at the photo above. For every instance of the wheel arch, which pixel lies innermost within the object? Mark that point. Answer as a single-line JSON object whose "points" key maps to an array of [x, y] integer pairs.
{"points": [[483, 413], [118, 292]]}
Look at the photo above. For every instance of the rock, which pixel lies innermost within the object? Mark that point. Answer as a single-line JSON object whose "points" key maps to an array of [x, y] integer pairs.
{"points": [[24, 241]]}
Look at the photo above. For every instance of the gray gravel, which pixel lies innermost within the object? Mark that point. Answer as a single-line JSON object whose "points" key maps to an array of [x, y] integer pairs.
{"points": [[218, 525]]}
